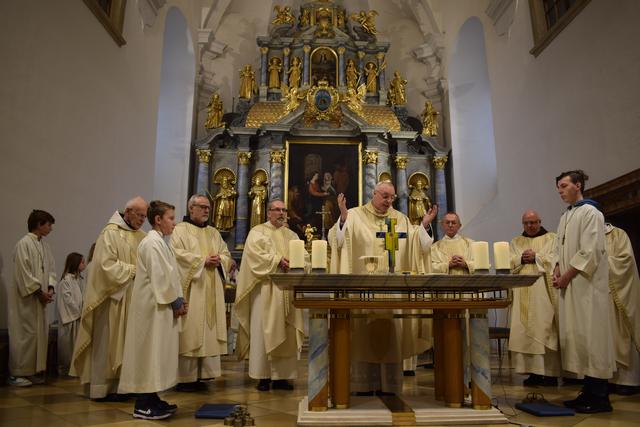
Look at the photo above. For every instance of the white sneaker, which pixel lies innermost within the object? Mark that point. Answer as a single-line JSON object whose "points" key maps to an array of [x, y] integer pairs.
{"points": [[19, 382]]}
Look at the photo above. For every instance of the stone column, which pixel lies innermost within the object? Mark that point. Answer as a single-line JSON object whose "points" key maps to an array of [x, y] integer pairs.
{"points": [[305, 65], [439, 162], [370, 159], [341, 82], [202, 181], [262, 90], [361, 66], [285, 66], [276, 187], [401, 183], [382, 82], [242, 208]]}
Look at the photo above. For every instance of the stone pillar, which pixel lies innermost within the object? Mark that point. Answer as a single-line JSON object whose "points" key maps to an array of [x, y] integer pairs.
{"points": [[242, 209], [401, 183], [341, 82], [361, 66], [305, 65], [382, 81], [370, 159], [285, 66], [202, 181], [263, 66], [439, 162], [276, 187]]}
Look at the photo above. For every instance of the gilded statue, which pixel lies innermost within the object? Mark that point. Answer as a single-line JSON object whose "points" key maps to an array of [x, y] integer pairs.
{"points": [[305, 18], [309, 230], [291, 98], [419, 202], [248, 85], [372, 72], [429, 120], [275, 66], [352, 73], [283, 15], [340, 19], [355, 98], [258, 195], [214, 113], [225, 205], [397, 93], [366, 21], [294, 72]]}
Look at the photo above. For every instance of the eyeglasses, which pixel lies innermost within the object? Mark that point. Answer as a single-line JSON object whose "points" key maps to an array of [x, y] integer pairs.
{"points": [[530, 222], [389, 197], [278, 209], [204, 207]]}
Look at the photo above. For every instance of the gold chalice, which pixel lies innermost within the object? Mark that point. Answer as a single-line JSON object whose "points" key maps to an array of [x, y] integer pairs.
{"points": [[371, 263]]}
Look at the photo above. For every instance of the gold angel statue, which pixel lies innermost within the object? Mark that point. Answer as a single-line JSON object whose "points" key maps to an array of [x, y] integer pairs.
{"points": [[309, 230], [397, 93], [248, 85], [429, 120], [290, 97], [355, 98], [225, 205], [366, 20], [214, 113], [283, 15]]}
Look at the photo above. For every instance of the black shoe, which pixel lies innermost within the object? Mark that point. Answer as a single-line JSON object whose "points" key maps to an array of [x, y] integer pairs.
{"points": [[572, 381], [384, 393], [151, 412], [170, 407], [409, 373], [550, 381], [281, 385], [593, 405], [534, 380], [264, 384], [364, 393], [582, 397], [192, 387], [113, 397]]}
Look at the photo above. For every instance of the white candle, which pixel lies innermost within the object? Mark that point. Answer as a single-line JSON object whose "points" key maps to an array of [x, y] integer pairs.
{"points": [[296, 254], [480, 253], [501, 255], [319, 254]]}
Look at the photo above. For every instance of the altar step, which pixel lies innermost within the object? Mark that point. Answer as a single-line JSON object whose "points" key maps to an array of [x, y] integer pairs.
{"points": [[371, 411]]}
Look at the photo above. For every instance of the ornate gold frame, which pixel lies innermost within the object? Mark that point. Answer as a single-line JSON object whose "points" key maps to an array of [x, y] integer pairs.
{"points": [[113, 21], [335, 55]]}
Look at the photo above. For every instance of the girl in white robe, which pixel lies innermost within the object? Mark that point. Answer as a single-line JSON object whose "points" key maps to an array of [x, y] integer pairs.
{"points": [[69, 309]]}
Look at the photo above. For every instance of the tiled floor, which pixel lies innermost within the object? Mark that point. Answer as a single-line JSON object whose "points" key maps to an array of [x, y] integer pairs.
{"points": [[60, 403]]}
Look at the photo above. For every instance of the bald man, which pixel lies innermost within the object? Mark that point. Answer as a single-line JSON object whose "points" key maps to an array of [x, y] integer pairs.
{"points": [[533, 339], [98, 351]]}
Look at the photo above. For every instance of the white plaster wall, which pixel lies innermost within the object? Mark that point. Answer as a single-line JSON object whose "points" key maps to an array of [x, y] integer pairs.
{"points": [[77, 120], [574, 106]]}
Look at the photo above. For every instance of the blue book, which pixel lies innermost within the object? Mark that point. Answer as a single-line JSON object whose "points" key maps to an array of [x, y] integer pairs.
{"points": [[215, 410], [545, 409]]}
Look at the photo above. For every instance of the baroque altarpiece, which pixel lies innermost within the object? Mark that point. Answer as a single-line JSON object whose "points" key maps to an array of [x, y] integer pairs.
{"points": [[322, 115]]}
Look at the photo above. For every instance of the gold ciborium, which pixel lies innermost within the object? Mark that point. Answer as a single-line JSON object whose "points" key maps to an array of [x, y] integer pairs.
{"points": [[371, 263]]}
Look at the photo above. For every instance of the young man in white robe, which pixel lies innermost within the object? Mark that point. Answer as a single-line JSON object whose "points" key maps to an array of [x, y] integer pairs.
{"points": [[32, 289], [97, 355], [69, 309], [377, 359], [270, 328], [624, 290], [581, 272], [204, 261], [533, 335], [150, 359]]}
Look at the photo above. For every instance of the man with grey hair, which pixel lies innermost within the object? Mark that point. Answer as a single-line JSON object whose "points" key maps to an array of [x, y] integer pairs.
{"points": [[204, 262], [97, 356]]}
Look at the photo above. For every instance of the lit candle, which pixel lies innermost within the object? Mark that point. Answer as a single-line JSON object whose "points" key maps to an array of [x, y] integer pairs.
{"points": [[501, 255], [296, 254], [319, 254], [480, 253]]}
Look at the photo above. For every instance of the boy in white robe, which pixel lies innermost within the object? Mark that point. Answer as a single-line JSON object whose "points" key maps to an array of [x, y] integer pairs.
{"points": [[34, 278], [581, 272], [69, 309], [150, 358]]}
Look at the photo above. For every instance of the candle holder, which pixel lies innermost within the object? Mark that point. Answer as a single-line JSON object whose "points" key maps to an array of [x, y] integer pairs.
{"points": [[319, 270], [296, 270], [503, 271], [483, 271]]}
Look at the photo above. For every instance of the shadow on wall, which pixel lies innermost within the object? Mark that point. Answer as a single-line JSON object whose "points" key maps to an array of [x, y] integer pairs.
{"points": [[3, 296]]}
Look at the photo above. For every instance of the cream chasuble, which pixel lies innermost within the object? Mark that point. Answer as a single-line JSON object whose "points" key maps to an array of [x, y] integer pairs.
{"points": [[204, 331], [381, 340], [447, 247], [624, 289], [150, 360], [584, 324], [33, 270], [282, 324], [534, 329], [98, 351], [69, 308]]}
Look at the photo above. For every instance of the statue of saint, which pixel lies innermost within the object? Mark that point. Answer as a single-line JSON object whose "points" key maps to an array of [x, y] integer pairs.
{"points": [[247, 82], [308, 232], [352, 74], [371, 70], [258, 195], [225, 206], [275, 66], [419, 202], [366, 21], [295, 71], [429, 120], [214, 113], [397, 93], [283, 15]]}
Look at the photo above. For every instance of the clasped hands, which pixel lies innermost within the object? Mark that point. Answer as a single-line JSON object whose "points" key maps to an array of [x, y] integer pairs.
{"points": [[182, 310], [561, 281], [457, 261], [45, 297], [528, 257]]}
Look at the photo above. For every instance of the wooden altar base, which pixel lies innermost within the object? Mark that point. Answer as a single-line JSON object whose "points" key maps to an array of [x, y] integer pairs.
{"points": [[372, 411]]}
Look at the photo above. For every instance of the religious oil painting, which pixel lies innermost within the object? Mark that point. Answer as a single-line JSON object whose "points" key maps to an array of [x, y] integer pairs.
{"points": [[316, 172]]}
